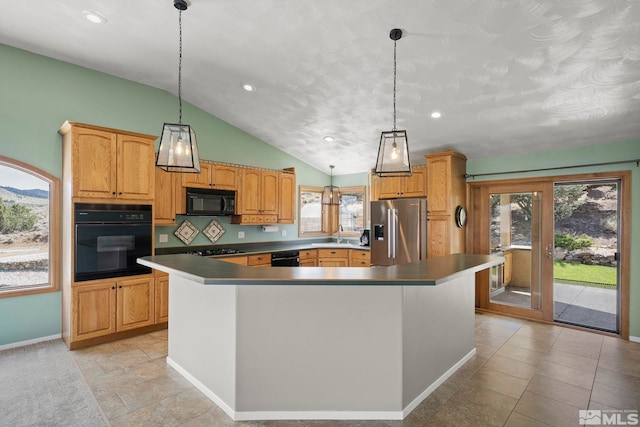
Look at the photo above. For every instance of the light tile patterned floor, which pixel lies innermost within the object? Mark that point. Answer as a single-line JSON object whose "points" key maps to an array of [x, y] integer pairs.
{"points": [[524, 374]]}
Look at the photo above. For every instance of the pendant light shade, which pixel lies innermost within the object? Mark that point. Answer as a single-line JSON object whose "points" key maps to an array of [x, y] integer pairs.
{"points": [[330, 193], [393, 153], [178, 149]]}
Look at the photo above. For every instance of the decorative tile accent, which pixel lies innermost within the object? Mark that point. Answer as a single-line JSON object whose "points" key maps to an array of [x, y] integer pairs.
{"points": [[213, 231], [186, 232]]}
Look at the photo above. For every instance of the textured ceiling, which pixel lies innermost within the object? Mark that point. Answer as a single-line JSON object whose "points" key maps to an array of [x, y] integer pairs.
{"points": [[508, 76]]}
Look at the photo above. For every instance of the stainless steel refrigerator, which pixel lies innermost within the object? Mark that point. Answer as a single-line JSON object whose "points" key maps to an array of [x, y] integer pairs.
{"points": [[398, 231]]}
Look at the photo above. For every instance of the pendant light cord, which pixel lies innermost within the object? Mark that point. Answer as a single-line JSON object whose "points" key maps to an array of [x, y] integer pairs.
{"points": [[394, 86], [180, 66]]}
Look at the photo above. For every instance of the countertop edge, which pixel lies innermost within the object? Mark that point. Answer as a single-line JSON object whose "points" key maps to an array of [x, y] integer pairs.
{"points": [[434, 271]]}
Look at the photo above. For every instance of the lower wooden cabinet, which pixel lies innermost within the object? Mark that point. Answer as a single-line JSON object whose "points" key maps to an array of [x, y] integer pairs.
{"points": [[260, 260], [242, 260], [359, 258], [108, 306], [309, 258], [93, 310], [162, 297], [333, 257]]}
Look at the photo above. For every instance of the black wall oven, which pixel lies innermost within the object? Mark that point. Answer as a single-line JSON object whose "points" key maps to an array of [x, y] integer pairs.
{"points": [[109, 238]]}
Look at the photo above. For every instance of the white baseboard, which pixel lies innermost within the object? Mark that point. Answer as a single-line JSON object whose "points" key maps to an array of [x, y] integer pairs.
{"points": [[319, 415], [29, 342], [437, 383], [634, 339]]}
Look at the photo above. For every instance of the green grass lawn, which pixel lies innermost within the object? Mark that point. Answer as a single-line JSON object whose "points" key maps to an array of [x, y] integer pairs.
{"points": [[586, 275]]}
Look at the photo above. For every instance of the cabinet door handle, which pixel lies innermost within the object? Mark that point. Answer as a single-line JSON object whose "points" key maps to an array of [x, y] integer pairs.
{"points": [[333, 252], [120, 286], [113, 287]]}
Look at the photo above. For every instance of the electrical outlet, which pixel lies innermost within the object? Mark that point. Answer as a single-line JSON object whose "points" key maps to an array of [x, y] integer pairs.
{"points": [[163, 238], [240, 234], [284, 233]]}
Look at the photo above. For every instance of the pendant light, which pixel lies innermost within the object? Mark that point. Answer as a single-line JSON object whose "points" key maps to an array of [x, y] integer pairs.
{"points": [[331, 194], [393, 153], [178, 150]]}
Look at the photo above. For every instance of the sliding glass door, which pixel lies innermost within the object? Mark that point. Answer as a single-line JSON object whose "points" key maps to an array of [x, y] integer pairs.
{"points": [[517, 229], [565, 245], [585, 273]]}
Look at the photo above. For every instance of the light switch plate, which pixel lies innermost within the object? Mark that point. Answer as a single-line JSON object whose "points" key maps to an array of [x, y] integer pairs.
{"points": [[163, 238], [284, 233], [240, 234]]}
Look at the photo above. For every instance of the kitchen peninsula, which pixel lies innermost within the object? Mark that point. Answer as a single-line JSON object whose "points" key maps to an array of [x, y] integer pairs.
{"points": [[320, 342]]}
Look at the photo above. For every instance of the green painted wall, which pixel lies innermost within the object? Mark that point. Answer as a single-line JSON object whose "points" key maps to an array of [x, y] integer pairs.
{"points": [[37, 94], [602, 153]]}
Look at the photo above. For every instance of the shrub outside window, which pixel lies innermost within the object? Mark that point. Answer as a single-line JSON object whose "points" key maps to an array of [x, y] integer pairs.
{"points": [[29, 249]]}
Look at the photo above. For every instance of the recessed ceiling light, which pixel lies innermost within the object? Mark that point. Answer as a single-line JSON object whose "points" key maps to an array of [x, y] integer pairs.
{"points": [[94, 17], [248, 87], [328, 138], [436, 115]]}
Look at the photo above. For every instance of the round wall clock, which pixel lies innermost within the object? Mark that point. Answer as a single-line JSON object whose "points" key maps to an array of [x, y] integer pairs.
{"points": [[461, 216]]}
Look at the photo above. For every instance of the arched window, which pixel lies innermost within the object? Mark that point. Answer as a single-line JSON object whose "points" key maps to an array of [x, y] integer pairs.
{"points": [[29, 229]]}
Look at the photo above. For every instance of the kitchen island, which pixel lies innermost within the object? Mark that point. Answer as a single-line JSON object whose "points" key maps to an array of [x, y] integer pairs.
{"points": [[320, 342]]}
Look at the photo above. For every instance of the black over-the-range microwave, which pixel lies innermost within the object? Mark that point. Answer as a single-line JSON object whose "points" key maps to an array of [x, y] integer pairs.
{"points": [[203, 201]]}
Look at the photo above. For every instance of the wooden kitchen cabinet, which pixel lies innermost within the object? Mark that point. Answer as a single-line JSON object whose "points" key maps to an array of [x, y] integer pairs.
{"points": [[104, 307], [212, 175], [169, 200], [257, 199], [93, 310], [359, 258], [286, 197], [309, 258], [135, 303], [446, 190], [241, 260], [109, 163], [333, 257], [400, 187], [259, 260], [162, 296]]}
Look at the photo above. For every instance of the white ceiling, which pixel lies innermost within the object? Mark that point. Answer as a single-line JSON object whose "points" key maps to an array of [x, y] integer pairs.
{"points": [[508, 76]]}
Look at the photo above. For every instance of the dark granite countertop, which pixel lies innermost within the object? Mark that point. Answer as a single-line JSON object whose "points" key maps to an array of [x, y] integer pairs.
{"points": [[265, 247], [434, 271]]}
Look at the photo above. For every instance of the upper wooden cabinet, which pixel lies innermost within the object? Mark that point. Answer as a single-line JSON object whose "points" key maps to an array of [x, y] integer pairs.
{"points": [[287, 197], [212, 175], [400, 187], [257, 199], [169, 197], [107, 163]]}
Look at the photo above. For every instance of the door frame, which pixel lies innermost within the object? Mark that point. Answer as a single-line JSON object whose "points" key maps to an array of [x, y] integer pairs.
{"points": [[478, 238]]}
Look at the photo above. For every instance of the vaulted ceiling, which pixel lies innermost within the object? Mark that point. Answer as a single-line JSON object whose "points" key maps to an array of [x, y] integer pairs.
{"points": [[508, 77]]}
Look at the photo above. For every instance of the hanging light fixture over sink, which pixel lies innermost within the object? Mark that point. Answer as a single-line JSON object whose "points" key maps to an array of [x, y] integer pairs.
{"points": [[178, 149], [393, 153], [331, 193]]}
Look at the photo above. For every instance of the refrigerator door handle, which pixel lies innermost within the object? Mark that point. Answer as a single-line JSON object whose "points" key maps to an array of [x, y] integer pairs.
{"points": [[389, 233], [393, 232]]}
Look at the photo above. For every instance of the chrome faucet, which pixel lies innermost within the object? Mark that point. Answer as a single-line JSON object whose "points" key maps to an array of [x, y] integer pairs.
{"points": [[339, 235]]}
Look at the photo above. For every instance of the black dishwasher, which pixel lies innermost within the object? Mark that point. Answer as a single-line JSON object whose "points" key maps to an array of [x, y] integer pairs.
{"points": [[285, 259]]}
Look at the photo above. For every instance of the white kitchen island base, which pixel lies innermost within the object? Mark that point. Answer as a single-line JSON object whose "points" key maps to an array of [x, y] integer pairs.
{"points": [[300, 351]]}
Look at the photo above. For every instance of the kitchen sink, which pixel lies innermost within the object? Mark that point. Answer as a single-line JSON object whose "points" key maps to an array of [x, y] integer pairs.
{"points": [[334, 245]]}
